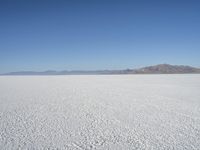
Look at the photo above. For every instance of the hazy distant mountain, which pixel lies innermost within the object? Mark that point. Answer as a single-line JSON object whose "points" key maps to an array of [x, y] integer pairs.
{"points": [[76, 72], [32, 73], [157, 69]]}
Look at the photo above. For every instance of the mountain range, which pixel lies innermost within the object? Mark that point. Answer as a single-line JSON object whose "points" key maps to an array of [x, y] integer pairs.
{"points": [[156, 69]]}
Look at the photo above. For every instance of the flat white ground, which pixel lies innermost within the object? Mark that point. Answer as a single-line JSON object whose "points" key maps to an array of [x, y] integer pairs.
{"points": [[100, 112]]}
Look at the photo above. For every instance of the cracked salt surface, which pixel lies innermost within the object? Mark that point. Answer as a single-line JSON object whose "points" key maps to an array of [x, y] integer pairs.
{"points": [[100, 112]]}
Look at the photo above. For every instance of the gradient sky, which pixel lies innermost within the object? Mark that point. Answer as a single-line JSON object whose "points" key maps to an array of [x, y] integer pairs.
{"points": [[97, 34]]}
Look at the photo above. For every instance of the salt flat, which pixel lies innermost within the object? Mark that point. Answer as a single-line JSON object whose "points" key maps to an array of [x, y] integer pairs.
{"points": [[100, 112]]}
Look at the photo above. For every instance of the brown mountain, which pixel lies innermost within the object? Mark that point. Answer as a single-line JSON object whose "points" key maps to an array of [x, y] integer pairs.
{"points": [[166, 69]]}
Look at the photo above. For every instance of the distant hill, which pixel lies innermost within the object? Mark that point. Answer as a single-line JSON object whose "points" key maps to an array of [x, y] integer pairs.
{"points": [[167, 69], [156, 69]]}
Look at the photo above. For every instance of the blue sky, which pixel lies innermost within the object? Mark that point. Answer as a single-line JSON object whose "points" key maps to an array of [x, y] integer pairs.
{"points": [[97, 34]]}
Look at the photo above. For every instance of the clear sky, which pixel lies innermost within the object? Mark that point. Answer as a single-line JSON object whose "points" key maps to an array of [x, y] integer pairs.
{"points": [[97, 34]]}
